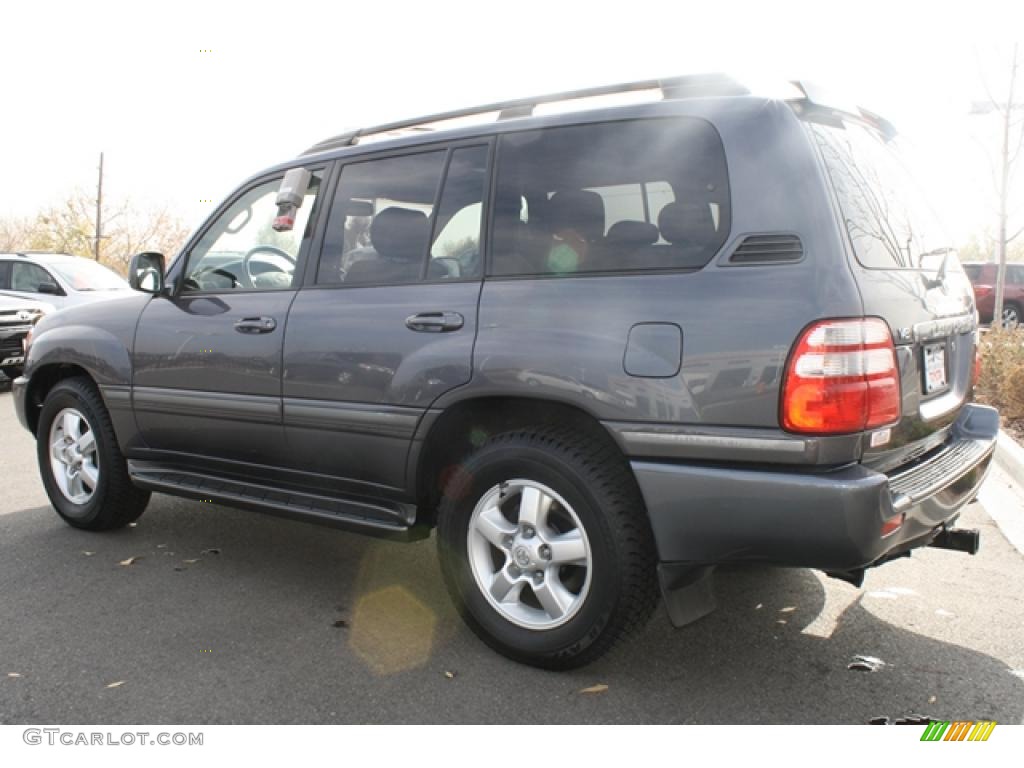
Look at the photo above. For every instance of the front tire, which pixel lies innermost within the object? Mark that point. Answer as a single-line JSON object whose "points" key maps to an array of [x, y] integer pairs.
{"points": [[545, 547], [83, 470]]}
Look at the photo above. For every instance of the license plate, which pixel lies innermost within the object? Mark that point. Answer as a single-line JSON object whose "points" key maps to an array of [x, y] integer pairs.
{"points": [[12, 360], [934, 367]]}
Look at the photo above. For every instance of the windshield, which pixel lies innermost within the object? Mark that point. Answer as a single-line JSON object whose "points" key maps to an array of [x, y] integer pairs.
{"points": [[889, 223], [85, 275]]}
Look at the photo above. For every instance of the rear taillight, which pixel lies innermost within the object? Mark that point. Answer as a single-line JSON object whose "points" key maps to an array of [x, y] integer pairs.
{"points": [[981, 291], [842, 377]]}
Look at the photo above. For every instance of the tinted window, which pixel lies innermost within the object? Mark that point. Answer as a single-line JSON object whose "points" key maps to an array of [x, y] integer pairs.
{"points": [[380, 222], [5, 274], [455, 249], [629, 195], [28, 277], [973, 271], [889, 224], [242, 251], [1015, 274]]}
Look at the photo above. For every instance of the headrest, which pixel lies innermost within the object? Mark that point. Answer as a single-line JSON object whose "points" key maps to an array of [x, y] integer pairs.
{"points": [[633, 233], [687, 224], [400, 233], [578, 210]]}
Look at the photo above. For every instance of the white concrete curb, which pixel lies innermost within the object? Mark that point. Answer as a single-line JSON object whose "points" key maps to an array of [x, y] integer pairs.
{"points": [[1002, 495], [1010, 457]]}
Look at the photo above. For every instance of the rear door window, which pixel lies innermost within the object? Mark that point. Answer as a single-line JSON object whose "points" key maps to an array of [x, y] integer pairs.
{"points": [[631, 195]]}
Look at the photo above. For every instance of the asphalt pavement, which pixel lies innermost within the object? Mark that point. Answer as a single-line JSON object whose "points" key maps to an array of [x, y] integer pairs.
{"points": [[204, 614]]}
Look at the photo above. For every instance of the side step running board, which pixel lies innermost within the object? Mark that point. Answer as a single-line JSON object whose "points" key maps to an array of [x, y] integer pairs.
{"points": [[376, 517]]}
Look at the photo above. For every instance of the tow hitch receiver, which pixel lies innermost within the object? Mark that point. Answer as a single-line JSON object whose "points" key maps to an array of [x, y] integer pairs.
{"points": [[961, 539]]}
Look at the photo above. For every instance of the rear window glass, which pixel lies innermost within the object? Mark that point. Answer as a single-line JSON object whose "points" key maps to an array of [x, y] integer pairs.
{"points": [[973, 271], [886, 216], [623, 196]]}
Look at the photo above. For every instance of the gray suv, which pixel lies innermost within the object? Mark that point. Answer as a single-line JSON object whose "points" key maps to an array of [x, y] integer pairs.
{"points": [[601, 352]]}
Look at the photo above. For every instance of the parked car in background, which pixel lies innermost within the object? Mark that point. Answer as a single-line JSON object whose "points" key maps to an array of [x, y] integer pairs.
{"points": [[983, 277], [58, 279], [17, 316], [597, 351]]}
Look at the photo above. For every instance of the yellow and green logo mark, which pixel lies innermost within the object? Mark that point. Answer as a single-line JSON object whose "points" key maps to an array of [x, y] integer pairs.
{"points": [[958, 730]]}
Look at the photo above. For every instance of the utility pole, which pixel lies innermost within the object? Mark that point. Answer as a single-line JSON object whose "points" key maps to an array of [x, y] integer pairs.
{"points": [[99, 213], [997, 312], [1008, 159]]}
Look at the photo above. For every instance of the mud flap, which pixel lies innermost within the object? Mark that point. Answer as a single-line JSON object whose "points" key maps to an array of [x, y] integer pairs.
{"points": [[687, 590]]}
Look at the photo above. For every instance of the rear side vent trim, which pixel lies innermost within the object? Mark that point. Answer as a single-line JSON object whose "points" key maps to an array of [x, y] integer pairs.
{"points": [[767, 249]]}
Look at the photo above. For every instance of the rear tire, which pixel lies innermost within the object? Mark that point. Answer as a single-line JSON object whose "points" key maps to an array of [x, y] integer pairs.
{"points": [[545, 547], [83, 470]]}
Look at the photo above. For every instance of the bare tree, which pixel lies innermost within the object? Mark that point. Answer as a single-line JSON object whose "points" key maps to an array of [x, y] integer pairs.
{"points": [[1012, 141], [69, 227]]}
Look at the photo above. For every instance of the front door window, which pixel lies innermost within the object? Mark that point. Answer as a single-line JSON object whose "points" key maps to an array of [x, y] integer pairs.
{"points": [[243, 252]]}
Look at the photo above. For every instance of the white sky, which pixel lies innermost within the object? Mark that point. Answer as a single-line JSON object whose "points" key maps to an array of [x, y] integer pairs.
{"points": [[179, 126]]}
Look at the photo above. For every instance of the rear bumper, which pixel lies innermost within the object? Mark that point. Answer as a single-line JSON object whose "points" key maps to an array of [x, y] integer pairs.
{"points": [[704, 514]]}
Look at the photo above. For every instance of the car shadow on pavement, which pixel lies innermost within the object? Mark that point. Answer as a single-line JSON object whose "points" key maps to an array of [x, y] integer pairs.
{"points": [[207, 614]]}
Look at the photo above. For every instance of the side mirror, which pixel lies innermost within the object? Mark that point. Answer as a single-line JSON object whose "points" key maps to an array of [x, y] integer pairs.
{"points": [[146, 272], [51, 288]]}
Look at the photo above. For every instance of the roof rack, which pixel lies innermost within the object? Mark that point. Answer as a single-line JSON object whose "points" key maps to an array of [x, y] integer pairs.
{"points": [[689, 86]]}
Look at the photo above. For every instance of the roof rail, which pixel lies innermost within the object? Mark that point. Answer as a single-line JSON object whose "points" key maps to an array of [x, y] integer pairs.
{"points": [[689, 86]]}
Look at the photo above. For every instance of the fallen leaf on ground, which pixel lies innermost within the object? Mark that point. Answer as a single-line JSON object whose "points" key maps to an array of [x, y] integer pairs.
{"points": [[340, 623], [161, 546], [132, 525], [931, 699], [449, 675], [759, 606], [780, 621], [189, 562], [118, 684], [14, 674], [865, 664], [88, 554], [214, 551], [130, 561], [599, 688], [787, 609]]}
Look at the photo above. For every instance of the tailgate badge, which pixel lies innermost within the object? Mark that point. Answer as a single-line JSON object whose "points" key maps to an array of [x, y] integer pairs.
{"points": [[881, 437]]}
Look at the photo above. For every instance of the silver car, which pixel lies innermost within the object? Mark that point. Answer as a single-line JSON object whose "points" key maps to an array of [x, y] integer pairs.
{"points": [[58, 279]]}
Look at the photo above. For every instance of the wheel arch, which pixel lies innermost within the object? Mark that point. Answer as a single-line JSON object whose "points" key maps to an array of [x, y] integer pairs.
{"points": [[44, 379], [450, 435]]}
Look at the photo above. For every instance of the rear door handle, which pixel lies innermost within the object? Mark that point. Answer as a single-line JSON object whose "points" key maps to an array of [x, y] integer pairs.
{"points": [[435, 322], [255, 325]]}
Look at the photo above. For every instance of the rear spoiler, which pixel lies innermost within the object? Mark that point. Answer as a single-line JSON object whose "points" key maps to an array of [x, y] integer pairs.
{"points": [[815, 101]]}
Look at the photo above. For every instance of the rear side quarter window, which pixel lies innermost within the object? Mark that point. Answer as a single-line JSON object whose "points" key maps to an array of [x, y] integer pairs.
{"points": [[631, 195]]}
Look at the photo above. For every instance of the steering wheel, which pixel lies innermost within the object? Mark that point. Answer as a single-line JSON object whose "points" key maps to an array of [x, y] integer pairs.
{"points": [[193, 281], [264, 249]]}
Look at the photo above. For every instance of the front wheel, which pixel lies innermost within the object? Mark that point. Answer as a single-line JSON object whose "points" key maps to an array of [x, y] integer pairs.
{"points": [[545, 547], [82, 468]]}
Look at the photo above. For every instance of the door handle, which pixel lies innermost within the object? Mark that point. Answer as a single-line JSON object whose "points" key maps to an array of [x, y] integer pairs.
{"points": [[435, 322], [255, 325]]}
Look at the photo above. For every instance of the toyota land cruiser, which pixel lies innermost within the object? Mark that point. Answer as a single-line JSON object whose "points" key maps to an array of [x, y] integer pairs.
{"points": [[595, 350]]}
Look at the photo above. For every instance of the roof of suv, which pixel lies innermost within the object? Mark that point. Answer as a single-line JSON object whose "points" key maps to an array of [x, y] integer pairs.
{"points": [[473, 121], [45, 257]]}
